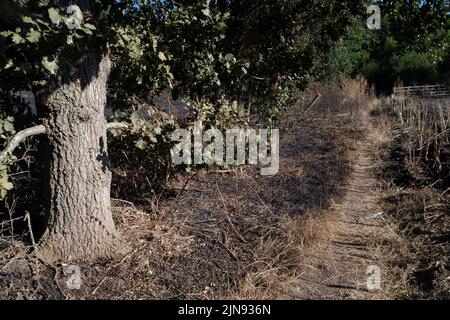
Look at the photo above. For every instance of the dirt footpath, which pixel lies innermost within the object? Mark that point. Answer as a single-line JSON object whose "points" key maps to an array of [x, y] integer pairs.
{"points": [[343, 264]]}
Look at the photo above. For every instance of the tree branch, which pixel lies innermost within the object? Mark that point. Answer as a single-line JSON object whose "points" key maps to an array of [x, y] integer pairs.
{"points": [[116, 125], [40, 129], [22, 135]]}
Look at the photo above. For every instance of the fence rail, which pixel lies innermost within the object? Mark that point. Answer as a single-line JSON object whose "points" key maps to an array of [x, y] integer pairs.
{"points": [[428, 91]]}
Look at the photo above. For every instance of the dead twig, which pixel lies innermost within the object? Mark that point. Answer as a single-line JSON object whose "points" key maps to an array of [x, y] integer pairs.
{"points": [[228, 215], [30, 229], [117, 264]]}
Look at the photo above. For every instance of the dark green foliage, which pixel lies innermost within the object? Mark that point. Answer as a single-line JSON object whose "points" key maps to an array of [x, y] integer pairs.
{"points": [[412, 46], [414, 68], [285, 43]]}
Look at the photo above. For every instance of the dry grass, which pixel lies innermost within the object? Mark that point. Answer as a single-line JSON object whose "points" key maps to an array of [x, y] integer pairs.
{"points": [[225, 234], [413, 165], [291, 248], [280, 258], [426, 123]]}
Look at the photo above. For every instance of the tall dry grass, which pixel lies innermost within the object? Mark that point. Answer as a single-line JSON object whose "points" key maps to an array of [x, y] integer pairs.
{"points": [[427, 124], [289, 247], [281, 258], [349, 101], [414, 165]]}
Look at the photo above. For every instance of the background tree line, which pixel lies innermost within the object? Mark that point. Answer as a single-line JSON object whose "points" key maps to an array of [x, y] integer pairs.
{"points": [[413, 46]]}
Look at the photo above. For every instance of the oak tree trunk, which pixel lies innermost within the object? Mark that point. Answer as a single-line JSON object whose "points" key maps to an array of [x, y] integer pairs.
{"points": [[80, 224]]}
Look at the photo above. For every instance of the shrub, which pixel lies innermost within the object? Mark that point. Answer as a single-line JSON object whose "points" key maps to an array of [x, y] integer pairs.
{"points": [[414, 68]]}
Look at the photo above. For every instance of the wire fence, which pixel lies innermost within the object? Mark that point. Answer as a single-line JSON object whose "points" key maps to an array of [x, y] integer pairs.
{"points": [[426, 91]]}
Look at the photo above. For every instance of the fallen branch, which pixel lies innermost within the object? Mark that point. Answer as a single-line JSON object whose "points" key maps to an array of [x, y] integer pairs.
{"points": [[317, 97], [227, 215], [30, 229], [22, 135]]}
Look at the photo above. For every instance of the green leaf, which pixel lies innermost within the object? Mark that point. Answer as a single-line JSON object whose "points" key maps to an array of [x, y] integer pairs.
{"points": [[69, 39], [5, 184], [154, 43], [9, 64], [54, 16], [33, 36], [135, 121], [141, 144], [78, 36], [162, 56], [17, 38], [206, 12], [89, 26], [6, 33], [87, 31], [8, 127], [29, 20], [51, 66]]}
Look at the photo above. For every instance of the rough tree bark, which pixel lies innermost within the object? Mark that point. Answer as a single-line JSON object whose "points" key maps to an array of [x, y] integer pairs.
{"points": [[79, 217], [80, 224]]}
